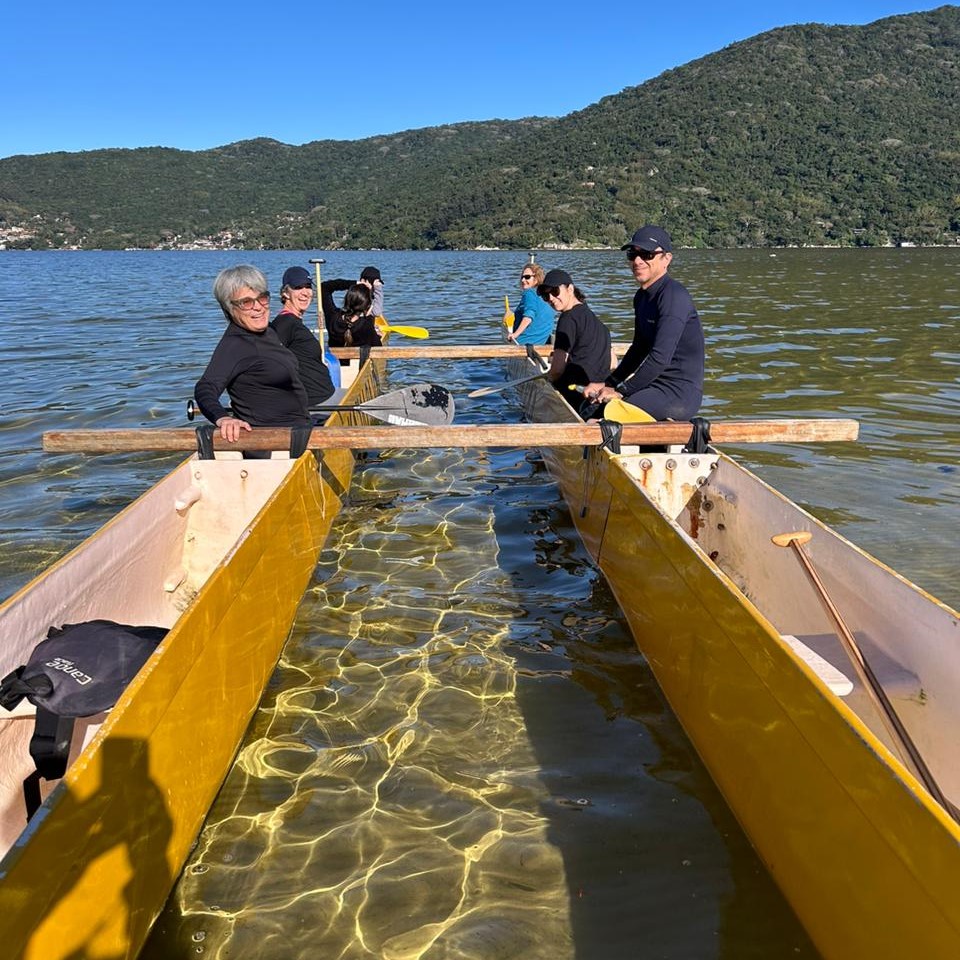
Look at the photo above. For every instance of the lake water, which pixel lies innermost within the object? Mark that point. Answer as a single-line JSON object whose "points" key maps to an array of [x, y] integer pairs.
{"points": [[462, 754]]}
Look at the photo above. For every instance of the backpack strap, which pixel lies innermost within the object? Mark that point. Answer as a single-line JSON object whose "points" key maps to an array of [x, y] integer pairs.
{"points": [[50, 748]]}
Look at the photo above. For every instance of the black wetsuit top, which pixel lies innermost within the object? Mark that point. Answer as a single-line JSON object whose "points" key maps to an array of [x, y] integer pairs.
{"points": [[296, 337], [662, 372], [363, 331], [587, 342], [260, 375]]}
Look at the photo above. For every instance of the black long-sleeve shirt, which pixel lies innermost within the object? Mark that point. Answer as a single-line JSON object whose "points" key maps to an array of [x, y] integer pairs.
{"points": [[363, 331], [662, 372], [260, 375], [296, 337]]}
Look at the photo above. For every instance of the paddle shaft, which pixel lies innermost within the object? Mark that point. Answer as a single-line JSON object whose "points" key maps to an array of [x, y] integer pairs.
{"points": [[486, 391], [878, 696], [459, 436], [320, 321]]}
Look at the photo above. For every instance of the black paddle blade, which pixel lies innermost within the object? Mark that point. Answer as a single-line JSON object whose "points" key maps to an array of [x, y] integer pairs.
{"points": [[426, 404]]}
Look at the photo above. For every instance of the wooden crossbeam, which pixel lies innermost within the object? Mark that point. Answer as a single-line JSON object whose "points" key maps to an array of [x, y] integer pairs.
{"points": [[459, 435], [501, 351]]}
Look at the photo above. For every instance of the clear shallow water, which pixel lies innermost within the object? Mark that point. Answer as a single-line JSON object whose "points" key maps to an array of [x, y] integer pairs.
{"points": [[462, 754]]}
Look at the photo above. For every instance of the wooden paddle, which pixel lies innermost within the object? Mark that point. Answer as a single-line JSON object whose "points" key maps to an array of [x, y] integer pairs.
{"points": [[459, 436], [486, 391], [330, 361], [508, 316], [878, 696], [422, 405], [417, 333]]}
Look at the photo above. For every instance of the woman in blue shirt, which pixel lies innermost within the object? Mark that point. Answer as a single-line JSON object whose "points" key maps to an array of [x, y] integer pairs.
{"points": [[534, 318]]}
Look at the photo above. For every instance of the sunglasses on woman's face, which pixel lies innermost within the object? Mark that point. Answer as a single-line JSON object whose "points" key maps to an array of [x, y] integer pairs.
{"points": [[303, 286], [527, 276], [548, 293]]}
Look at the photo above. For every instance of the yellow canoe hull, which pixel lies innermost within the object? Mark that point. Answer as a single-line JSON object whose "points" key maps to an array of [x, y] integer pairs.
{"points": [[95, 866], [869, 862]]}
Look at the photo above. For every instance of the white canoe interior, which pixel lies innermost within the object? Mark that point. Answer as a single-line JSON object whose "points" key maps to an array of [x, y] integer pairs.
{"points": [[910, 639], [143, 568]]}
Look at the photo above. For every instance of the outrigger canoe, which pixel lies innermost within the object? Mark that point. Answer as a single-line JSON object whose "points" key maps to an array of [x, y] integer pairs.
{"points": [[220, 552], [727, 586], [710, 566]]}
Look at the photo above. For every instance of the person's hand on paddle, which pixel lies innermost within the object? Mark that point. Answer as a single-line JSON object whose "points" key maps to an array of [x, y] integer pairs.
{"points": [[600, 392], [232, 427], [518, 329]]}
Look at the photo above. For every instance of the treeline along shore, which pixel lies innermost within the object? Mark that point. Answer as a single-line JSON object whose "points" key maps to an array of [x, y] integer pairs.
{"points": [[802, 136]]}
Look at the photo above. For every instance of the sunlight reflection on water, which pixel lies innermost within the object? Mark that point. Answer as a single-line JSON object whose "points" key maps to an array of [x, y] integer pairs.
{"points": [[459, 678]]}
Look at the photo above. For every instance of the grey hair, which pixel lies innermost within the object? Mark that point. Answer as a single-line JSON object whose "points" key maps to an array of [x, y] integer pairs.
{"points": [[229, 281]]}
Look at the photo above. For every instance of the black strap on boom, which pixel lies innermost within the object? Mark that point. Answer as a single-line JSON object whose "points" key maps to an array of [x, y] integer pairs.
{"points": [[611, 431], [699, 437], [205, 441], [299, 438]]}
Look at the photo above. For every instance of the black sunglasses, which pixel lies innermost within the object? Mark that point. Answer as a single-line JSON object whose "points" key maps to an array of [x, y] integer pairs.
{"points": [[645, 255], [527, 276], [302, 286], [545, 293]]}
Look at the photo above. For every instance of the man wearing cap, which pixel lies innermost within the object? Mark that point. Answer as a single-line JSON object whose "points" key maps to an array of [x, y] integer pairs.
{"points": [[661, 376], [296, 294]]}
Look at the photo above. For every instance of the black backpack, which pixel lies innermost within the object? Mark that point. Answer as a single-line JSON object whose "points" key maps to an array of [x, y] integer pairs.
{"points": [[80, 670]]}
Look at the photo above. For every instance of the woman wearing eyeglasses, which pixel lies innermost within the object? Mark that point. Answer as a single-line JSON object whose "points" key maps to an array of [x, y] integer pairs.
{"points": [[296, 294], [581, 345], [661, 376], [250, 363], [533, 318]]}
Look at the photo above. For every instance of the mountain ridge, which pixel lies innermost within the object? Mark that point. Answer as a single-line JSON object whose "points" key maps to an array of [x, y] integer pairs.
{"points": [[801, 135]]}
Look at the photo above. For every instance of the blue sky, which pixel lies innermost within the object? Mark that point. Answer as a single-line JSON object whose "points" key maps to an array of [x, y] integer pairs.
{"points": [[80, 76]]}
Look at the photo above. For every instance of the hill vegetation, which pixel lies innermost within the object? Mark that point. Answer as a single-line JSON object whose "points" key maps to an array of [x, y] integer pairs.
{"points": [[803, 135]]}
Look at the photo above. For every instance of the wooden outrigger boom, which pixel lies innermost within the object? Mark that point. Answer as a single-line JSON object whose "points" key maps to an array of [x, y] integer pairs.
{"points": [[461, 435]]}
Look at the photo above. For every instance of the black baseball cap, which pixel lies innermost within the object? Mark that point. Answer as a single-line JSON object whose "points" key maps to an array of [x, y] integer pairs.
{"points": [[296, 277], [371, 274], [650, 238], [557, 278]]}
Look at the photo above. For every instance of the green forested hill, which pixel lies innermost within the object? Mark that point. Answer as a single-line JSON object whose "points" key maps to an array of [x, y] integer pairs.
{"points": [[806, 134]]}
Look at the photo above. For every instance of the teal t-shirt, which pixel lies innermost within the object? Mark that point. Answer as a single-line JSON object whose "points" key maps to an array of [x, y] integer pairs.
{"points": [[541, 318]]}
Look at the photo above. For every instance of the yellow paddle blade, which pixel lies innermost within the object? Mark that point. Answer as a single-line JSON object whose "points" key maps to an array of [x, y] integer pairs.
{"points": [[508, 316], [623, 412], [418, 333]]}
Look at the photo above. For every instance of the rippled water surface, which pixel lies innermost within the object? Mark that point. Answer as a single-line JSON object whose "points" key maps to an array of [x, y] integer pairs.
{"points": [[462, 754]]}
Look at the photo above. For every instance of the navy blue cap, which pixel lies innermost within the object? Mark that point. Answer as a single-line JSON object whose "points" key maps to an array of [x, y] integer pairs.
{"points": [[296, 277], [650, 238], [371, 274], [556, 278]]}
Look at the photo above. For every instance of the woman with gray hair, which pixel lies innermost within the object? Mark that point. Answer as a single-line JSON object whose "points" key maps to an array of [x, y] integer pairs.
{"points": [[250, 363]]}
